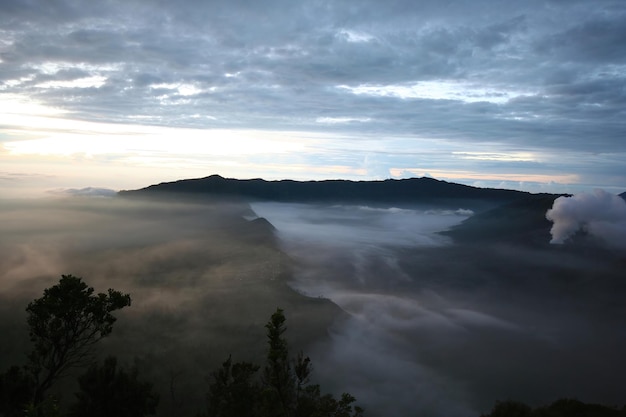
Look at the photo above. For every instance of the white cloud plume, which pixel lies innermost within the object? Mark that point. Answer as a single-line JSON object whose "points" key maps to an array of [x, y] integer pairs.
{"points": [[599, 213]]}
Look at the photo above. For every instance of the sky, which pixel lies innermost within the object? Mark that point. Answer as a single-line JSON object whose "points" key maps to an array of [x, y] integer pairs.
{"points": [[123, 94]]}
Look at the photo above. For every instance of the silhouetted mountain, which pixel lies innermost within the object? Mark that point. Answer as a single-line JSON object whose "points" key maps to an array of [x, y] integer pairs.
{"points": [[388, 192], [522, 221]]}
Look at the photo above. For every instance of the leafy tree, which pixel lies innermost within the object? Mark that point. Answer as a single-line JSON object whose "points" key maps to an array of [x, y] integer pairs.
{"points": [[49, 407], [510, 408], [65, 323], [287, 390], [279, 394], [232, 383], [283, 390], [302, 369], [108, 390], [16, 391]]}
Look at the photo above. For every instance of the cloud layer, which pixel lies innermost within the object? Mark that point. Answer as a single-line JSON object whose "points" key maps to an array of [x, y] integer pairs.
{"points": [[446, 330], [433, 328], [401, 87]]}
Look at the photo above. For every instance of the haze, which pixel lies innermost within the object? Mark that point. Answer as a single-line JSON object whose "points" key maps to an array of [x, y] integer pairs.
{"points": [[102, 96], [444, 330], [428, 326], [203, 281]]}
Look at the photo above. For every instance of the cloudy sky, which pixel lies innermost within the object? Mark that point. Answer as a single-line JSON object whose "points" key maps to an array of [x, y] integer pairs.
{"points": [[121, 94]]}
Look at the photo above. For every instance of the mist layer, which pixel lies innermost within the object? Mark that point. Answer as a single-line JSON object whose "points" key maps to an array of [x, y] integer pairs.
{"points": [[203, 281], [443, 329]]}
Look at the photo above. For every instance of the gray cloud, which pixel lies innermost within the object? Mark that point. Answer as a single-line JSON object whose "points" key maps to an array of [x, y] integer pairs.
{"points": [[601, 38], [279, 66]]}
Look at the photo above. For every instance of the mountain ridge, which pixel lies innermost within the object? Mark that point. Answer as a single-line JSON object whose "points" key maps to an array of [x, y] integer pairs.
{"points": [[408, 191]]}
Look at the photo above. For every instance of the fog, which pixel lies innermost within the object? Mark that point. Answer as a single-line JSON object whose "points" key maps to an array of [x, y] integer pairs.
{"points": [[203, 282], [428, 327], [441, 329]]}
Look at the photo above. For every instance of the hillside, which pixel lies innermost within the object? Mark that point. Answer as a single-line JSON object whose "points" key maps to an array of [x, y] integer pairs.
{"points": [[403, 192], [522, 221]]}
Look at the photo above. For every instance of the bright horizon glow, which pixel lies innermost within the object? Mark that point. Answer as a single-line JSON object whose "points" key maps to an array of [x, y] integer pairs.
{"points": [[523, 96], [47, 132], [503, 178], [139, 140], [41, 132]]}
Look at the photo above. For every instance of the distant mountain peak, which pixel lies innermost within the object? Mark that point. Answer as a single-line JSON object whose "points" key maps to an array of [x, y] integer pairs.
{"points": [[388, 192]]}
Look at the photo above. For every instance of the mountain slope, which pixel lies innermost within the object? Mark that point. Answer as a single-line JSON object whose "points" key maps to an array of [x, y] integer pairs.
{"points": [[522, 221], [388, 192]]}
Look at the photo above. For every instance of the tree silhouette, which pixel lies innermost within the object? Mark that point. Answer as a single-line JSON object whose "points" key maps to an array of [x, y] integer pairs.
{"points": [[108, 390], [283, 389], [510, 408], [64, 325], [232, 383], [16, 391], [565, 407], [279, 394]]}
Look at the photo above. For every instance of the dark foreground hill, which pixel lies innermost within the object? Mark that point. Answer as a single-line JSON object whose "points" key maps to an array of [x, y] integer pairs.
{"points": [[403, 192]]}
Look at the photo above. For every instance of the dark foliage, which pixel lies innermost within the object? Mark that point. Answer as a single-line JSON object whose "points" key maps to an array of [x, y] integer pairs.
{"points": [[560, 408], [107, 391], [282, 391], [278, 379], [16, 391], [232, 383], [64, 325], [510, 408]]}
